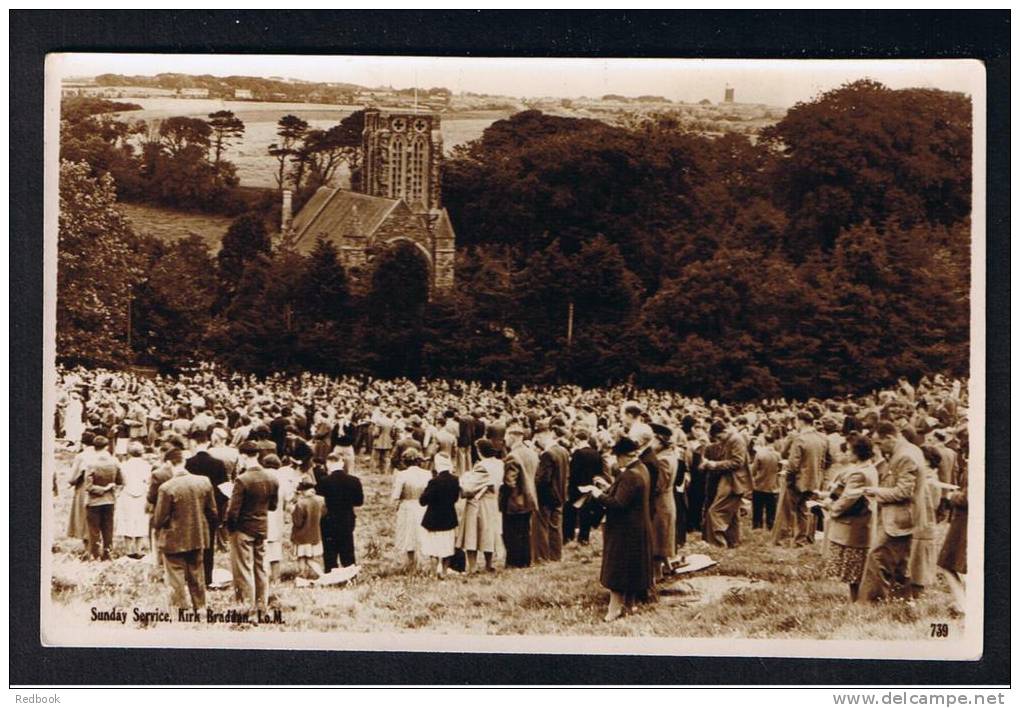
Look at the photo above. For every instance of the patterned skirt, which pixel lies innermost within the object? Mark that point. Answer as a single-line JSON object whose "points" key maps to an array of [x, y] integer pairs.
{"points": [[844, 563]]}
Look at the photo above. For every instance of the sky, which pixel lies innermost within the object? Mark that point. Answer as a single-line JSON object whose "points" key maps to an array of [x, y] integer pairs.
{"points": [[769, 81]]}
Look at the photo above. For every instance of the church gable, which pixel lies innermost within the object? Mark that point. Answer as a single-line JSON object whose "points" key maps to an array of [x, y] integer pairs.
{"points": [[402, 157], [342, 214]]}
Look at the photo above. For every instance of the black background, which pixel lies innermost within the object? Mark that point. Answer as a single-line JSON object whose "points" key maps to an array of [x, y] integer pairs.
{"points": [[846, 34]]}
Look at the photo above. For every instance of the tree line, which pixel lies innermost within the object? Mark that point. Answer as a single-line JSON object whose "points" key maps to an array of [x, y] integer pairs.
{"points": [[827, 255]]}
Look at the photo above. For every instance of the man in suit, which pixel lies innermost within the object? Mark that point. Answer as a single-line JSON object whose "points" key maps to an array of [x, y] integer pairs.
{"points": [[382, 441], [254, 495], [465, 442], [102, 478], [551, 479], [765, 482], [948, 471], [722, 518], [885, 570], [203, 464], [186, 517], [585, 464], [518, 499], [495, 431], [806, 464], [343, 493]]}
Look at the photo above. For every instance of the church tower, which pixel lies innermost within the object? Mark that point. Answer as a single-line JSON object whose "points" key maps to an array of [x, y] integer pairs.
{"points": [[403, 151]]}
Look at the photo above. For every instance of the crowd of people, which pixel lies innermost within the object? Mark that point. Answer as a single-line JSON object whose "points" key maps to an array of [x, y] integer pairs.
{"points": [[485, 479]]}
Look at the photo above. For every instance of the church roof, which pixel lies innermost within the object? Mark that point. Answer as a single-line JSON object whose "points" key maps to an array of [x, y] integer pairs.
{"points": [[338, 212]]}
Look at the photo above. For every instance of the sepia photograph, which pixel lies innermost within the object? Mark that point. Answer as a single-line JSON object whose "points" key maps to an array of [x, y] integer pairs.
{"points": [[520, 355]]}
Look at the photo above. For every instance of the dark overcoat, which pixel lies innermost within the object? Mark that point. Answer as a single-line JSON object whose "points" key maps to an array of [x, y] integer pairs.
{"points": [[627, 537], [440, 499], [953, 555]]}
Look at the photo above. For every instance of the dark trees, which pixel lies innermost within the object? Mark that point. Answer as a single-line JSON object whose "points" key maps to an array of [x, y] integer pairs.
{"points": [[97, 266], [226, 128]]}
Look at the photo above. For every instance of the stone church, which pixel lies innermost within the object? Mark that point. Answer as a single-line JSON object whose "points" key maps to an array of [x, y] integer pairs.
{"points": [[400, 201]]}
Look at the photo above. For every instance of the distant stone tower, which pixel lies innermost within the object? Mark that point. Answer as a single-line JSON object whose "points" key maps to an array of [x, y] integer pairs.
{"points": [[728, 96], [403, 153], [397, 201]]}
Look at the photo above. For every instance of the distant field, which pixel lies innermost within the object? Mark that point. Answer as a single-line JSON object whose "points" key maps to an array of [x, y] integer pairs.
{"points": [[170, 225], [254, 165]]}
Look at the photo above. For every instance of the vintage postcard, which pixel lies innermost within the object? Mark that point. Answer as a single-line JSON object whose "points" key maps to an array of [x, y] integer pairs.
{"points": [[630, 356]]}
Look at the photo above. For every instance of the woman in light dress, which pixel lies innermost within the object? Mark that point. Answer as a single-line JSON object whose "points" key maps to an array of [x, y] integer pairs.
{"points": [[408, 485], [480, 523], [287, 480], [74, 423], [130, 519]]}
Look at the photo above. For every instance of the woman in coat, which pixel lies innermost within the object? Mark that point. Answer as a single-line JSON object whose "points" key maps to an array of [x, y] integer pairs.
{"points": [[663, 504], [953, 556], [921, 564], [849, 525], [627, 537], [408, 485], [480, 524], [439, 524], [77, 522]]}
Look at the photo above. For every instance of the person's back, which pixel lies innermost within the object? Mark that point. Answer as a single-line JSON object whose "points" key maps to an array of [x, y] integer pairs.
{"points": [[446, 442], [342, 493], [808, 459], [305, 519], [439, 499], [897, 486], [185, 512], [520, 468], [254, 495], [765, 469], [585, 464], [204, 464], [100, 471], [228, 456]]}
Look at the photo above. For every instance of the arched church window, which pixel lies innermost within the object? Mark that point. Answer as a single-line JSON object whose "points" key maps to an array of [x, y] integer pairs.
{"points": [[419, 165], [398, 168]]}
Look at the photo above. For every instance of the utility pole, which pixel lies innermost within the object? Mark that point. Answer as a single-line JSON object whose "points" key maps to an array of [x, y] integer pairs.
{"points": [[570, 324], [129, 322]]}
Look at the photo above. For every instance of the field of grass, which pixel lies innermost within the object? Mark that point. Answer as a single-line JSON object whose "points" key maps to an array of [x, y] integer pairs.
{"points": [[755, 591], [171, 225], [255, 167]]}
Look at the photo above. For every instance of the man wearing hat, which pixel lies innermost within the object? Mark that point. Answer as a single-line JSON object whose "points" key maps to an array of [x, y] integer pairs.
{"points": [[518, 499], [662, 505], [627, 570]]}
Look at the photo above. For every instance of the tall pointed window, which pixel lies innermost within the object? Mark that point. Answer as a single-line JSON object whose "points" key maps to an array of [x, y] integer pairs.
{"points": [[419, 167], [398, 168]]}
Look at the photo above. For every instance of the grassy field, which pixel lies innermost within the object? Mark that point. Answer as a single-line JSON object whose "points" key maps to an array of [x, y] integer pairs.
{"points": [[171, 225], [755, 591], [255, 167]]}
